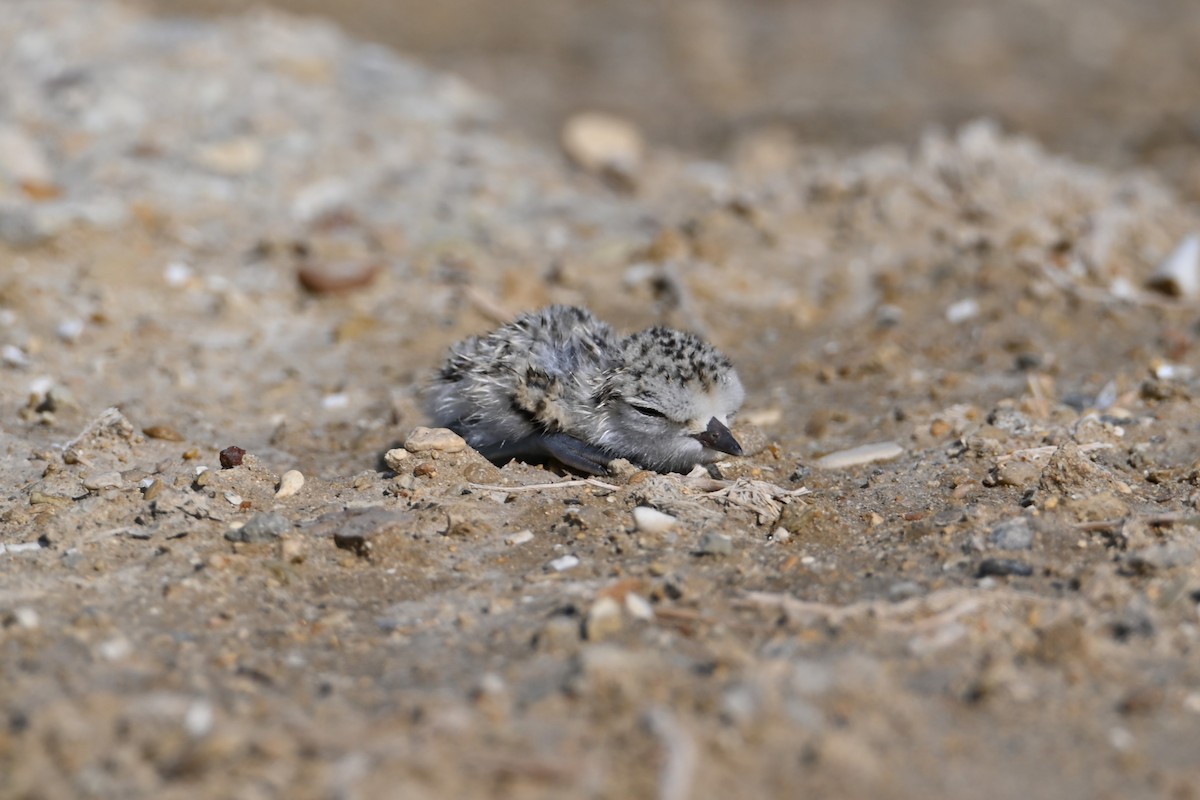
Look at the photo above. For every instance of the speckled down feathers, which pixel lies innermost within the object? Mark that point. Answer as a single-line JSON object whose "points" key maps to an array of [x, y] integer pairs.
{"points": [[560, 370]]}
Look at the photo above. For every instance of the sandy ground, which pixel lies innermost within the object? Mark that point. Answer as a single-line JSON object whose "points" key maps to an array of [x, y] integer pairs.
{"points": [[1112, 82], [260, 233]]}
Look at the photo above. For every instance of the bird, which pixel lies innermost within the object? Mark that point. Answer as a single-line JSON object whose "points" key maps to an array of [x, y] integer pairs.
{"points": [[559, 384]]}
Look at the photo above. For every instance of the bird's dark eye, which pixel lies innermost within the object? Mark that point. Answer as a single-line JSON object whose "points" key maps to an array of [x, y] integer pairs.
{"points": [[648, 411]]}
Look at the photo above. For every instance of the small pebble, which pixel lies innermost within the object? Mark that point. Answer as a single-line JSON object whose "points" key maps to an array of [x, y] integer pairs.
{"points": [[903, 590], [639, 607], [651, 520], [395, 458], [1179, 273], [857, 456], [781, 535], [69, 330], [265, 527], [115, 649], [44, 499], [425, 440], [1161, 557], [23, 617], [176, 274], [715, 544], [19, 226], [1003, 566], [164, 432], [232, 457], [233, 498], [13, 356], [337, 277], [320, 199], [1012, 534], [356, 540], [603, 620], [102, 480], [240, 155], [291, 483], [198, 720], [603, 143], [332, 402], [1017, 473], [20, 547], [292, 550], [520, 537], [22, 157], [962, 311], [152, 490], [564, 563]]}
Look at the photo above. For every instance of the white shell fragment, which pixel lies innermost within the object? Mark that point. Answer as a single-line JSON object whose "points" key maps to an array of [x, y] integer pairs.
{"points": [[639, 607], [855, 456], [1179, 273], [962, 311], [291, 483], [651, 520], [424, 440], [564, 563]]}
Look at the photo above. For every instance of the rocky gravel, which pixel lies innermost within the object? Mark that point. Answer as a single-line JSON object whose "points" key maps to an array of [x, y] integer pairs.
{"points": [[961, 551]]}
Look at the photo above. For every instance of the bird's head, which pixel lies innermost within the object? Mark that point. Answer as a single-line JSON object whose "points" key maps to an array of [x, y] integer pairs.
{"points": [[671, 401]]}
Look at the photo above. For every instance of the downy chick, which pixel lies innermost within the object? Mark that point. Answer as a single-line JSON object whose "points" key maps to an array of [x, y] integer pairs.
{"points": [[559, 383]]}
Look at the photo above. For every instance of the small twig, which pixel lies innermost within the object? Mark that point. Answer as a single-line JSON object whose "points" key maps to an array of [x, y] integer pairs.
{"points": [[532, 487], [1035, 388], [1157, 520], [1099, 525]]}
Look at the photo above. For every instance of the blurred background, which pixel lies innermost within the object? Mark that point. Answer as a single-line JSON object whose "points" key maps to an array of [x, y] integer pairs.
{"points": [[1115, 82]]}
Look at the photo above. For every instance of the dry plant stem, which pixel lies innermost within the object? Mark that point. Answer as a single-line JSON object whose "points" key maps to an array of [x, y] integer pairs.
{"points": [[1039, 399], [932, 610], [1161, 520], [491, 308], [532, 487]]}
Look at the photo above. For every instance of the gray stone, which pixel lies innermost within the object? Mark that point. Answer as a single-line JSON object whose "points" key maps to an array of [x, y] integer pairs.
{"points": [[1012, 534], [715, 544], [265, 527], [425, 440], [1161, 556]]}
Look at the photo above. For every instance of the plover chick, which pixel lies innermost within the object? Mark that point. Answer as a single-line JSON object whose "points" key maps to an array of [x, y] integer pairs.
{"points": [[559, 383]]}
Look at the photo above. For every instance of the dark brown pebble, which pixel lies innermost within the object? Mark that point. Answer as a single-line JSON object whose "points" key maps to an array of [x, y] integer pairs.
{"points": [[232, 457], [337, 277], [1004, 566], [426, 470], [357, 542]]}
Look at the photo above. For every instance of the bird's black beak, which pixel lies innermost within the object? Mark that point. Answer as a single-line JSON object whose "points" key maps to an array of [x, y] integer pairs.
{"points": [[717, 437]]}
